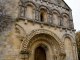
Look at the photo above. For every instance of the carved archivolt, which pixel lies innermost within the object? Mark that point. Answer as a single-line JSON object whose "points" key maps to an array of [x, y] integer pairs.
{"points": [[21, 31], [41, 31]]}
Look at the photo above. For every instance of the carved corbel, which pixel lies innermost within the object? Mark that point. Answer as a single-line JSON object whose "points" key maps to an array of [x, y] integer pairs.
{"points": [[62, 56]]}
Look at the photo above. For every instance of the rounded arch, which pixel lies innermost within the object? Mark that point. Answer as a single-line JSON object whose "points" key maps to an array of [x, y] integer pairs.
{"points": [[30, 3], [65, 18], [43, 15], [44, 38], [30, 9], [44, 45], [55, 17], [68, 44], [56, 11], [62, 14], [44, 7], [42, 31], [68, 36]]}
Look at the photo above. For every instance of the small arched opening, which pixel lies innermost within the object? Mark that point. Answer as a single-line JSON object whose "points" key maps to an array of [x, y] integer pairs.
{"points": [[43, 15]]}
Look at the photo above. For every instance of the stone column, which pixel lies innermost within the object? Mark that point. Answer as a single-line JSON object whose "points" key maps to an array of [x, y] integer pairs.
{"points": [[37, 15], [51, 21], [22, 11], [61, 21], [48, 18], [33, 16]]}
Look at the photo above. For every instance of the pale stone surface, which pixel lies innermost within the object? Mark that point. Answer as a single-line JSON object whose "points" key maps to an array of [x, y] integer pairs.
{"points": [[22, 30]]}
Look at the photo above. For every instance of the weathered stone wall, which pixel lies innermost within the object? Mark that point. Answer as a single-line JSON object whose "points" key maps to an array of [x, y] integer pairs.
{"points": [[7, 20]]}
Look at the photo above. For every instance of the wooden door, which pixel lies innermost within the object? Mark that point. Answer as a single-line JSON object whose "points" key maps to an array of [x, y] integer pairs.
{"points": [[40, 54]]}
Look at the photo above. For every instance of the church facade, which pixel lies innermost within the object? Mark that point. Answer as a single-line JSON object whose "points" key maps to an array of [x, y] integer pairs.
{"points": [[43, 30]]}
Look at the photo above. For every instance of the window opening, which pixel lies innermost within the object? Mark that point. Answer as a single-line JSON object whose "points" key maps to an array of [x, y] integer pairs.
{"points": [[41, 17]]}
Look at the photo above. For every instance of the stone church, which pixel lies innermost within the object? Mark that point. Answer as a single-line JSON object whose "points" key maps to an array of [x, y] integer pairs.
{"points": [[37, 30]]}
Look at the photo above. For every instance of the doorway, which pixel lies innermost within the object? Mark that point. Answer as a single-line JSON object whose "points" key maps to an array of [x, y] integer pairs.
{"points": [[40, 54]]}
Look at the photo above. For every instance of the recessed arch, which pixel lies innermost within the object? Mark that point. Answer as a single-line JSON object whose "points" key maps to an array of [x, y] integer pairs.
{"points": [[65, 18], [55, 17], [68, 36], [46, 43], [68, 41], [43, 15], [30, 3], [42, 44], [49, 41], [39, 31], [55, 10], [30, 10], [44, 7], [65, 14], [68, 48]]}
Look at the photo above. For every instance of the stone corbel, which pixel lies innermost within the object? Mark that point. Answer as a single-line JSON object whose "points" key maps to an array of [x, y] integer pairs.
{"points": [[62, 56], [25, 21], [42, 24], [22, 38]]}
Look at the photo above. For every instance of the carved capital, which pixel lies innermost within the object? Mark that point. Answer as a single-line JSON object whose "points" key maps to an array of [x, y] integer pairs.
{"points": [[62, 55], [25, 52]]}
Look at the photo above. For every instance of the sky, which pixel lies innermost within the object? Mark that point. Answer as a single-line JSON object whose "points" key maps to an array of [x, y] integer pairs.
{"points": [[75, 6]]}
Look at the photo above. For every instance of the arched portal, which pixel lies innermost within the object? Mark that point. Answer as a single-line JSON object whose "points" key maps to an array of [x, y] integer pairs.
{"points": [[40, 54], [52, 46]]}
